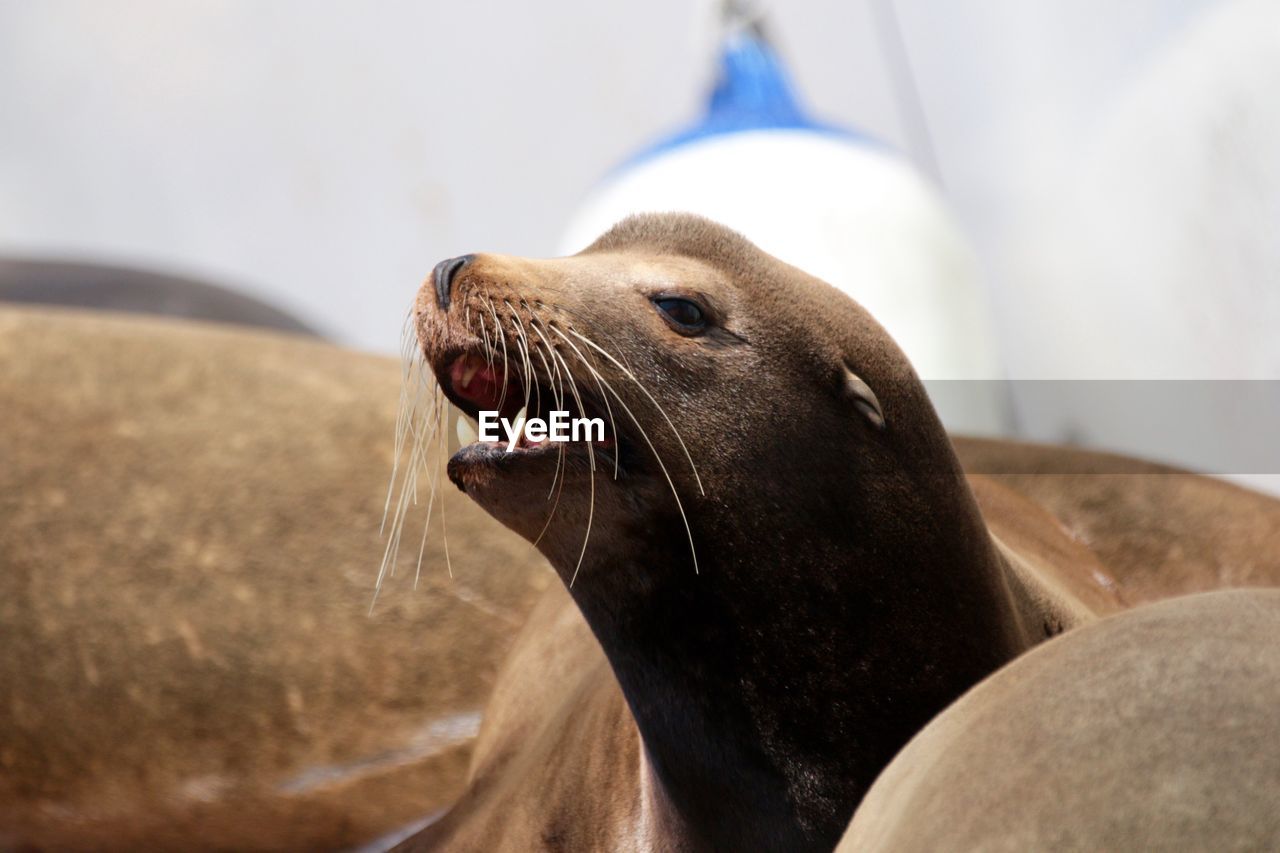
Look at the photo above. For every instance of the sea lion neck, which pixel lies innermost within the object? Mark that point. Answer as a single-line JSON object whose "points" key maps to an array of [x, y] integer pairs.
{"points": [[770, 687]]}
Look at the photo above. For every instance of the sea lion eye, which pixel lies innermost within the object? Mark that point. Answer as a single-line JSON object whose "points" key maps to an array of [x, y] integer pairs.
{"points": [[685, 314]]}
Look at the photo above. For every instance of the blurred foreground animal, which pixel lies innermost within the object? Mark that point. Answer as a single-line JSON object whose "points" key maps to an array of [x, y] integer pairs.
{"points": [[1155, 729], [189, 539]]}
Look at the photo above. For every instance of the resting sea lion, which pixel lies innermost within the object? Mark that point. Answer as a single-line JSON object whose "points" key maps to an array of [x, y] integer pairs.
{"points": [[115, 288], [1160, 530], [782, 565], [1155, 729], [189, 540]]}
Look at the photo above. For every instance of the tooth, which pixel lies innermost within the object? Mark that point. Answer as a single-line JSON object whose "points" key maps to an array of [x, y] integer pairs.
{"points": [[468, 371], [518, 425], [466, 432]]}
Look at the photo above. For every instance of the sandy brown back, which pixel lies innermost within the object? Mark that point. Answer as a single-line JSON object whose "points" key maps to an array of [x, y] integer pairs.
{"points": [[188, 544], [1155, 729], [1159, 531], [1058, 582]]}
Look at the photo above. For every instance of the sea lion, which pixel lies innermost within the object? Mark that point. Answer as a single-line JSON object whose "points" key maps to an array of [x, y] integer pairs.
{"points": [[38, 281], [1155, 729], [782, 569], [1159, 530], [189, 541]]}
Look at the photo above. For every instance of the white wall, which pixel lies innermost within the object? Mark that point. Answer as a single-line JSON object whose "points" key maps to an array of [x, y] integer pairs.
{"points": [[326, 154]]}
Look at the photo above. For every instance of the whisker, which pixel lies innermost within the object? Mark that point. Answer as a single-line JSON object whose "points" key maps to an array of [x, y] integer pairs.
{"points": [[488, 346], [591, 458], [502, 337], [572, 314], [557, 391], [645, 435], [408, 357], [406, 487], [603, 396], [552, 514], [419, 417], [525, 367], [644, 391], [559, 395], [444, 527], [522, 335], [442, 432], [416, 462]]}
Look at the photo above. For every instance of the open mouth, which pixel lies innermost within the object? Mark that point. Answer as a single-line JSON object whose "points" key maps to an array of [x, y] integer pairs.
{"points": [[475, 384]]}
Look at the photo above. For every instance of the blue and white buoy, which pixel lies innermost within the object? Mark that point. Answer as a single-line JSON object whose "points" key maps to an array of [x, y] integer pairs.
{"points": [[832, 202]]}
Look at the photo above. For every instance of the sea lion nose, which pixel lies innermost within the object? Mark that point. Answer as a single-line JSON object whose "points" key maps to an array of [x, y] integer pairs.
{"points": [[443, 276]]}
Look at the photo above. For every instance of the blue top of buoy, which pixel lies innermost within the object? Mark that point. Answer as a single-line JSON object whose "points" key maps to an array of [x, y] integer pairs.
{"points": [[752, 92]]}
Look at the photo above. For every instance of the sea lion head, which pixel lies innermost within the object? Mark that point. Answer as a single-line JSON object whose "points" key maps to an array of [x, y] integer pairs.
{"points": [[736, 391], [769, 535]]}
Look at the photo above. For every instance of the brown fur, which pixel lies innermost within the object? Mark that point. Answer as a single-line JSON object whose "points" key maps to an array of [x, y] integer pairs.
{"points": [[1160, 530], [1152, 730], [188, 543], [847, 586]]}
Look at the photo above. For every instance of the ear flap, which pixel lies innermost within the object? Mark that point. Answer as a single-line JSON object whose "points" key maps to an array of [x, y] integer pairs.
{"points": [[864, 399]]}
